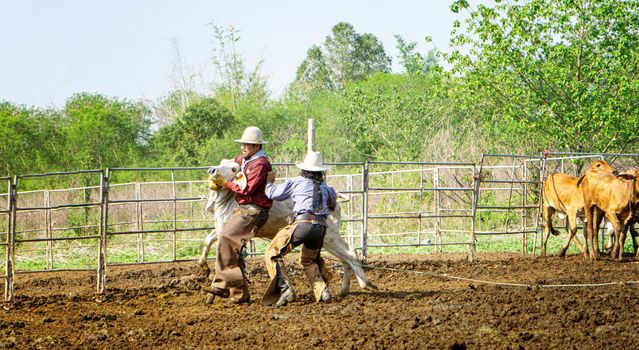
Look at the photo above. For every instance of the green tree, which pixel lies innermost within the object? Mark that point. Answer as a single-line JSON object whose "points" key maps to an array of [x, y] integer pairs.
{"points": [[185, 141], [105, 132], [346, 56], [412, 61], [565, 70], [392, 116], [31, 140], [237, 88]]}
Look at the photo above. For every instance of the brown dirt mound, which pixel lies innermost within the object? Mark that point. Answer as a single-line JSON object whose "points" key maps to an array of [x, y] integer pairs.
{"points": [[160, 306]]}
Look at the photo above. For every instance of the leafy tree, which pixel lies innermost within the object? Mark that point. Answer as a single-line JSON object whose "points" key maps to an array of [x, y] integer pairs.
{"points": [[183, 142], [396, 116], [345, 57], [565, 70], [31, 140], [105, 132], [236, 87], [412, 61]]}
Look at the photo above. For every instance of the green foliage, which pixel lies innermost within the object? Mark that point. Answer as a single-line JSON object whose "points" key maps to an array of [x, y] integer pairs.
{"points": [[392, 116], [238, 89], [413, 62], [346, 56], [563, 72], [31, 140], [104, 132], [201, 122]]}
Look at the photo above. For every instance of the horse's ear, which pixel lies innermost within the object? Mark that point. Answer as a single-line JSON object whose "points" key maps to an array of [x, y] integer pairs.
{"points": [[581, 178]]}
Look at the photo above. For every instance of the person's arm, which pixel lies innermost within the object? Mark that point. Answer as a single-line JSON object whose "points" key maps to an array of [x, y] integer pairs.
{"points": [[255, 177], [279, 192]]}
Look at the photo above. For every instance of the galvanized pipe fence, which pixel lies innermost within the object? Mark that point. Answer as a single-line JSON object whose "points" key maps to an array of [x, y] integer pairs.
{"points": [[117, 216]]}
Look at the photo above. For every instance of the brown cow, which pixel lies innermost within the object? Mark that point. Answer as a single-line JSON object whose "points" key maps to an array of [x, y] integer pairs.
{"points": [[615, 197], [561, 194], [630, 226]]}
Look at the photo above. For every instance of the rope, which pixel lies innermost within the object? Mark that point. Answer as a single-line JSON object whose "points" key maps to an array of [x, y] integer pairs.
{"points": [[507, 284]]}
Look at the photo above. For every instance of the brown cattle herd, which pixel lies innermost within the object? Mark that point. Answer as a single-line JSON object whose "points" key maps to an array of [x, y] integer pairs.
{"points": [[600, 192]]}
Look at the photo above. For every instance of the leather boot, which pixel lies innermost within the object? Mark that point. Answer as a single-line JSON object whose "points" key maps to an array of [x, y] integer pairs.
{"points": [[286, 292], [325, 296], [318, 286]]}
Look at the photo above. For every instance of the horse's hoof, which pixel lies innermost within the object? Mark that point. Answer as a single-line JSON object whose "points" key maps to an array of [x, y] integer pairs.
{"points": [[209, 298], [371, 286]]}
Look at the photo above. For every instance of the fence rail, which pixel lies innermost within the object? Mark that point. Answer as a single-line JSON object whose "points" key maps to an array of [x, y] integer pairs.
{"points": [[390, 204]]}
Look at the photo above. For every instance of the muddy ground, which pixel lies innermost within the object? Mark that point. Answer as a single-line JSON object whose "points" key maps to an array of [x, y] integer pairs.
{"points": [[160, 306]]}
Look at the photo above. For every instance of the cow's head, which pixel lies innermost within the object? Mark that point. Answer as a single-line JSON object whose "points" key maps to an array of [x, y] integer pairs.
{"points": [[601, 166], [598, 167], [220, 198], [228, 170]]}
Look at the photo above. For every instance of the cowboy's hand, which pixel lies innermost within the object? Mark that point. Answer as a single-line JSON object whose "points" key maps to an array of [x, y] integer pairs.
{"points": [[216, 182], [270, 177]]}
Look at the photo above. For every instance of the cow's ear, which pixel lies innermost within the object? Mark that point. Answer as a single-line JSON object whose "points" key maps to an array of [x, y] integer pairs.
{"points": [[581, 178], [626, 176]]}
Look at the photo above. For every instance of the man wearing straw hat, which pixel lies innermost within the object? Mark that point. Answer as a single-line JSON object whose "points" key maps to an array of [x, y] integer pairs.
{"points": [[252, 213], [313, 199]]}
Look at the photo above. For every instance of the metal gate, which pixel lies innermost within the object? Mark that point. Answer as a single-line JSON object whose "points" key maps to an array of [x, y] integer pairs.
{"points": [[508, 197], [420, 204]]}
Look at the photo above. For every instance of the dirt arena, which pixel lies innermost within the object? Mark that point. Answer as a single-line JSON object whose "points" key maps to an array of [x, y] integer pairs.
{"points": [[160, 306]]}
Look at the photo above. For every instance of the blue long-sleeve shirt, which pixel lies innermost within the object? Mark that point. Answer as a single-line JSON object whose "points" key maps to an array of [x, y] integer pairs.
{"points": [[301, 190]]}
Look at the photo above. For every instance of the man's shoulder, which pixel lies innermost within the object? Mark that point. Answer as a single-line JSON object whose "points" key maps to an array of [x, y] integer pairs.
{"points": [[262, 161]]}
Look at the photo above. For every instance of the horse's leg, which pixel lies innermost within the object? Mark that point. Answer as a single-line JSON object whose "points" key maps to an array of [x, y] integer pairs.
{"points": [[208, 241]]}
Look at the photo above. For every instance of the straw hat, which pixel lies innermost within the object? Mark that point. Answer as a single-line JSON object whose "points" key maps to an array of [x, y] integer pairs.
{"points": [[252, 135], [312, 162]]}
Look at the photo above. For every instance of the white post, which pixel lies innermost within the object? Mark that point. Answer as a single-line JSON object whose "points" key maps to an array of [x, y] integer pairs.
{"points": [[311, 135]]}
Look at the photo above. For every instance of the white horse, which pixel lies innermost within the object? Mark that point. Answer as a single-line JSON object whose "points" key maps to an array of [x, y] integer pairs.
{"points": [[222, 202]]}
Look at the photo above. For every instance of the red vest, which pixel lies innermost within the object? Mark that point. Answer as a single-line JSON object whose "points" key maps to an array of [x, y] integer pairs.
{"points": [[255, 172]]}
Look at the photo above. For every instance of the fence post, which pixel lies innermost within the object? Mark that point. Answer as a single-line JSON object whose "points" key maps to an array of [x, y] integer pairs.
{"points": [[539, 230], [174, 216], [47, 220], [365, 180], [438, 232], [139, 220], [472, 249], [351, 210], [104, 226], [11, 240]]}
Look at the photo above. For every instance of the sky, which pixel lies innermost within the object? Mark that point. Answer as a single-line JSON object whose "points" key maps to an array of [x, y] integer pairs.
{"points": [[127, 48]]}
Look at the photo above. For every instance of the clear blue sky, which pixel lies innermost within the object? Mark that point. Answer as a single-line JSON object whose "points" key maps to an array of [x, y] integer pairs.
{"points": [[52, 49]]}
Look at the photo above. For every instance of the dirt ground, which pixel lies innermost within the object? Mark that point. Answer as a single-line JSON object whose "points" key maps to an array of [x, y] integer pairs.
{"points": [[160, 306]]}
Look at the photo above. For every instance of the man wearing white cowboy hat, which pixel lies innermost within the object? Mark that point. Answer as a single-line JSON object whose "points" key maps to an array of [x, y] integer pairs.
{"points": [[313, 198], [252, 213]]}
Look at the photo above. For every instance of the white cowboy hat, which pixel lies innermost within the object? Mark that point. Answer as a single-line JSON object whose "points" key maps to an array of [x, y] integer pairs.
{"points": [[252, 135], [312, 162]]}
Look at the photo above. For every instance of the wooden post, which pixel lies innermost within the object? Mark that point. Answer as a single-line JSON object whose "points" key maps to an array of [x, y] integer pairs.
{"points": [[311, 135]]}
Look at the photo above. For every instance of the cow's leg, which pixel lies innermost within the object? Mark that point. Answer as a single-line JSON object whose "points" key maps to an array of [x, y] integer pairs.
{"points": [[336, 245], [634, 234], [620, 234], [598, 217], [208, 241], [611, 238], [548, 212], [589, 223], [572, 231]]}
